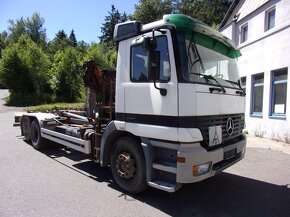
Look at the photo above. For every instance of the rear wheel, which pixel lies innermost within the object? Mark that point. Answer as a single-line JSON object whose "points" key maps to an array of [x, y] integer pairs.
{"points": [[128, 165], [25, 127], [37, 141]]}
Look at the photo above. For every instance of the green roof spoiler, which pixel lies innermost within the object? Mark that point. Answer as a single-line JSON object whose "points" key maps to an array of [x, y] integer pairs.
{"points": [[203, 34]]}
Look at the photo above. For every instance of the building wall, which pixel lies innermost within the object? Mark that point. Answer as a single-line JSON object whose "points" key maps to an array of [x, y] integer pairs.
{"points": [[263, 52]]}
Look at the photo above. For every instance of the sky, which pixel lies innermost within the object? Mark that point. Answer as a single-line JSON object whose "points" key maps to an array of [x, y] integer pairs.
{"points": [[85, 17]]}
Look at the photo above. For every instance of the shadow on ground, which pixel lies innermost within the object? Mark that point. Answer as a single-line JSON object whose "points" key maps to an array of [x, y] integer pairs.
{"points": [[223, 195]]}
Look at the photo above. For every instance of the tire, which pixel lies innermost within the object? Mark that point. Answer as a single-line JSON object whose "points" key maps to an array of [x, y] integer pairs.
{"points": [[25, 127], [36, 140], [128, 165]]}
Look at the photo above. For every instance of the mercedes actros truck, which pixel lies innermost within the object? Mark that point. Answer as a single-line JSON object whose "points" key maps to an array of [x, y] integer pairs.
{"points": [[172, 113]]}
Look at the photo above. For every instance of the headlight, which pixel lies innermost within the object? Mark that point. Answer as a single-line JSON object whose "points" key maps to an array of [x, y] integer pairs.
{"points": [[201, 169]]}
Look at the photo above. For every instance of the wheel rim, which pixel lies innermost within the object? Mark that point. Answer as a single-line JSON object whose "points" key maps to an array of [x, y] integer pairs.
{"points": [[125, 165]]}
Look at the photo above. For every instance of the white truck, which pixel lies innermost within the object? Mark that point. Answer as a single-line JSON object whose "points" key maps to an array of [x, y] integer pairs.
{"points": [[175, 112]]}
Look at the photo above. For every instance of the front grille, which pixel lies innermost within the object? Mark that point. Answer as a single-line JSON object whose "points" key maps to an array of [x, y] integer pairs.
{"points": [[203, 123]]}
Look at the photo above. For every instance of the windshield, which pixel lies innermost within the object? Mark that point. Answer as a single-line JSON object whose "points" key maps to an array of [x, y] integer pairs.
{"points": [[200, 62]]}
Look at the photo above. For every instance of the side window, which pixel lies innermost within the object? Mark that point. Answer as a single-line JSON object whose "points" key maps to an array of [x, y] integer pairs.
{"points": [[139, 62], [279, 92], [270, 18], [257, 94], [244, 33]]}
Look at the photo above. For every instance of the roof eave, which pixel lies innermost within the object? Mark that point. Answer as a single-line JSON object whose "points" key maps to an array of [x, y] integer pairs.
{"points": [[229, 13]]}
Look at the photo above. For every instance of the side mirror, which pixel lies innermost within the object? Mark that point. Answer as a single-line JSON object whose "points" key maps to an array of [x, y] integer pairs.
{"points": [[146, 43], [154, 69], [149, 43]]}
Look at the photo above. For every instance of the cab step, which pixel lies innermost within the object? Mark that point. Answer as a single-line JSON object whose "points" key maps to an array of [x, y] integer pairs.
{"points": [[165, 165], [162, 185]]}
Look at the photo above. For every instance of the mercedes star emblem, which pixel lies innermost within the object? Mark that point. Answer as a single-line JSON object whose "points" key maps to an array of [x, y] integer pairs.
{"points": [[230, 126]]}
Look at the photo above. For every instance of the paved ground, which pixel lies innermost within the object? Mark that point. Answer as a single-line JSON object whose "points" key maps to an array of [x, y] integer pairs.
{"points": [[59, 183], [3, 109]]}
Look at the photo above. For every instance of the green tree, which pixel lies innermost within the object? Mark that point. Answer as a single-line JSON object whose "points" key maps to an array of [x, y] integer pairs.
{"points": [[103, 54], [83, 46], [59, 43], [16, 29], [217, 11], [33, 27], [151, 10], [210, 12], [68, 76], [3, 41], [111, 20], [72, 39], [24, 71], [186, 7], [61, 35]]}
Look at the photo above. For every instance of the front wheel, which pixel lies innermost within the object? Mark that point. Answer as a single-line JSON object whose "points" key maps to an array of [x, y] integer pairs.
{"points": [[128, 165], [37, 141]]}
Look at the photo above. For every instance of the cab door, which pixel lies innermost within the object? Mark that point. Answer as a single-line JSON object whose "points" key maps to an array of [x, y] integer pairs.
{"points": [[146, 110]]}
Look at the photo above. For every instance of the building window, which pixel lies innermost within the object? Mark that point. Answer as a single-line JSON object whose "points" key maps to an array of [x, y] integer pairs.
{"points": [[257, 94], [244, 33], [139, 62], [243, 83], [270, 19], [279, 92]]}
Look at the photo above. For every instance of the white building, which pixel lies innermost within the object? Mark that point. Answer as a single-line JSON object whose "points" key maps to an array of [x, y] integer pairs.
{"points": [[261, 29]]}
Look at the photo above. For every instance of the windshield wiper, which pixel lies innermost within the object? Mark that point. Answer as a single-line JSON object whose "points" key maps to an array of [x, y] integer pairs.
{"points": [[235, 84], [221, 86], [204, 76], [208, 77], [242, 92]]}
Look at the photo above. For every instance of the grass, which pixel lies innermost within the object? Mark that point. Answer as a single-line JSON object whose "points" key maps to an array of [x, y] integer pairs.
{"points": [[52, 108]]}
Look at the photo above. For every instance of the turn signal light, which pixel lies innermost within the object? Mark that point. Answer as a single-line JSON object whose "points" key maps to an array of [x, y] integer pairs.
{"points": [[181, 160]]}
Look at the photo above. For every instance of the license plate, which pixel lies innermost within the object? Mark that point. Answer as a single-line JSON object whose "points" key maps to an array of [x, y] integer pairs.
{"points": [[230, 153], [215, 135]]}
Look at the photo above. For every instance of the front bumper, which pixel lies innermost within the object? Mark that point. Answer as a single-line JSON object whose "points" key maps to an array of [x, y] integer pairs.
{"points": [[194, 154]]}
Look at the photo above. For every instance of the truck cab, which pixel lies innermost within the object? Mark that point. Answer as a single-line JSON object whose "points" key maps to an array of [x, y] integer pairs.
{"points": [[187, 103]]}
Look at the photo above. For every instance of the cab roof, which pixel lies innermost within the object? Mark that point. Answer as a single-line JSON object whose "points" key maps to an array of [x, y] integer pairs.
{"points": [[190, 27], [203, 34]]}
